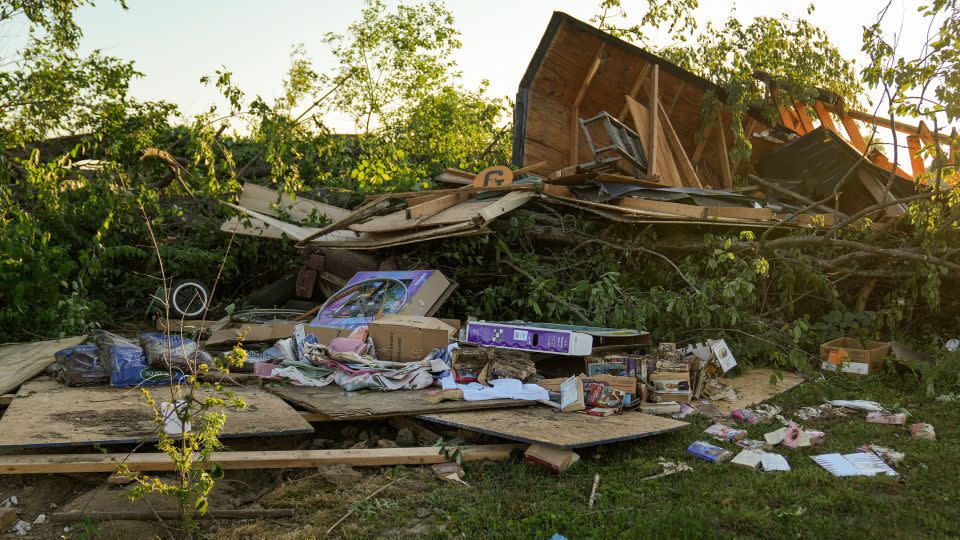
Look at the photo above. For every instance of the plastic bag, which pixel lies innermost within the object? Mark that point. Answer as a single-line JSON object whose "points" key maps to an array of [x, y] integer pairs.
{"points": [[127, 363], [78, 366], [163, 350]]}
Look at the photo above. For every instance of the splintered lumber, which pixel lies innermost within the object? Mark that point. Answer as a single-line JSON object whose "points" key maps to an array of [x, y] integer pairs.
{"points": [[21, 362], [916, 160], [824, 115], [803, 115], [544, 425], [272, 459], [364, 211], [665, 166], [171, 515]]}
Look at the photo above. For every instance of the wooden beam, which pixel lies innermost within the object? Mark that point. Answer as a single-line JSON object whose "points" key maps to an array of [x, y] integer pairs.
{"points": [[676, 96], [707, 131], [689, 174], [724, 155], [171, 515], [853, 132], [654, 120], [274, 459], [916, 160], [902, 127], [575, 108], [803, 115], [635, 89], [429, 208], [824, 115]]}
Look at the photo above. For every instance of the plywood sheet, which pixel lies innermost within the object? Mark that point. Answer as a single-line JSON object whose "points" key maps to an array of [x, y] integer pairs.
{"points": [[753, 387], [21, 362], [263, 199], [337, 404], [44, 413], [544, 425], [397, 221]]}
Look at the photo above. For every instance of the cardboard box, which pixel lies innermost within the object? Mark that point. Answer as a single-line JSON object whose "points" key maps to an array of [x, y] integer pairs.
{"points": [[271, 332], [529, 338], [628, 385], [556, 460], [409, 338], [848, 355], [426, 291], [672, 385]]}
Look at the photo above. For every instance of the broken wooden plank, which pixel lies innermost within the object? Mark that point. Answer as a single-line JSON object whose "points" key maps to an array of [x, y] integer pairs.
{"points": [[688, 173], [727, 176], [803, 115], [575, 107], [665, 207], [916, 160], [338, 404], [543, 425], [47, 414], [853, 132], [635, 89], [824, 115], [653, 120], [274, 459], [667, 171], [364, 211], [20, 362]]}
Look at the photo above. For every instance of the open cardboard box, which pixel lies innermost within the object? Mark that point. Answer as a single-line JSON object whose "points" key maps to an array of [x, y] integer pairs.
{"points": [[409, 338], [849, 355]]}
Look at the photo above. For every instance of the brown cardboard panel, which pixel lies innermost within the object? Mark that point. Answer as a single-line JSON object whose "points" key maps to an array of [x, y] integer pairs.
{"points": [[405, 338], [272, 332]]}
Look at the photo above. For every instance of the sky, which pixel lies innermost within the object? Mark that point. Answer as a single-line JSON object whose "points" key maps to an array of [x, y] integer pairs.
{"points": [[175, 42]]}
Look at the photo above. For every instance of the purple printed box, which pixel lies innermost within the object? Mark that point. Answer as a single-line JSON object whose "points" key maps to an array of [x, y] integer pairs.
{"points": [[424, 288], [529, 338]]}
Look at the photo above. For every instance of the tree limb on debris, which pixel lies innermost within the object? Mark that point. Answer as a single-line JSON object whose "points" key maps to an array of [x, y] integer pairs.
{"points": [[879, 206], [172, 164], [792, 241]]}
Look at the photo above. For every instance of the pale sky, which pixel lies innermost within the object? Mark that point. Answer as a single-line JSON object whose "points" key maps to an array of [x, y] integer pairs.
{"points": [[175, 42]]}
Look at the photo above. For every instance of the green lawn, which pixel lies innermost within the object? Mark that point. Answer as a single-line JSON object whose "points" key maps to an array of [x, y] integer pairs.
{"points": [[514, 499]]}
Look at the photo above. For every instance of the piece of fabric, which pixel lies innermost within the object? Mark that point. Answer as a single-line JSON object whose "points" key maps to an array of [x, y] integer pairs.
{"points": [[498, 389]]}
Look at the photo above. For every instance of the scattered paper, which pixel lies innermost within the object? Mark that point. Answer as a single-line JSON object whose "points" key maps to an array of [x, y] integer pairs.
{"points": [[773, 462], [748, 458], [856, 464], [857, 404]]}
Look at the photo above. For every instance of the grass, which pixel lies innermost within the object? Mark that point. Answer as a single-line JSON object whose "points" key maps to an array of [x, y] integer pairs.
{"points": [[514, 499]]}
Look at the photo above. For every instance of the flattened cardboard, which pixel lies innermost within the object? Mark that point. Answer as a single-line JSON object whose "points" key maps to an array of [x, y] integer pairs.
{"points": [[409, 338]]}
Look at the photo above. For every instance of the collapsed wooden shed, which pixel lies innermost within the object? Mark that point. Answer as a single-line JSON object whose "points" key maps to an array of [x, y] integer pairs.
{"points": [[579, 71]]}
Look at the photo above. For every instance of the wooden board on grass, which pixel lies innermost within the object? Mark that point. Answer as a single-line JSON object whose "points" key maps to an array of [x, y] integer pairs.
{"points": [[753, 386], [267, 459], [45, 414], [544, 425], [337, 404], [20, 362]]}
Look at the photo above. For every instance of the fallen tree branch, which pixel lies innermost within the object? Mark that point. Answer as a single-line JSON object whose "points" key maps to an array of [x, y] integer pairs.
{"points": [[879, 206], [793, 241], [790, 193]]}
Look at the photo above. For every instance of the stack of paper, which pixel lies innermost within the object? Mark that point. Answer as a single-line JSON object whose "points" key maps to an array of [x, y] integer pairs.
{"points": [[856, 464]]}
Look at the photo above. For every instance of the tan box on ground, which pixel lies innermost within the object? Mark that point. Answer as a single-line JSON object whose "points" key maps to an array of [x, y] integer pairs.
{"points": [[672, 385], [849, 355], [409, 338]]}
